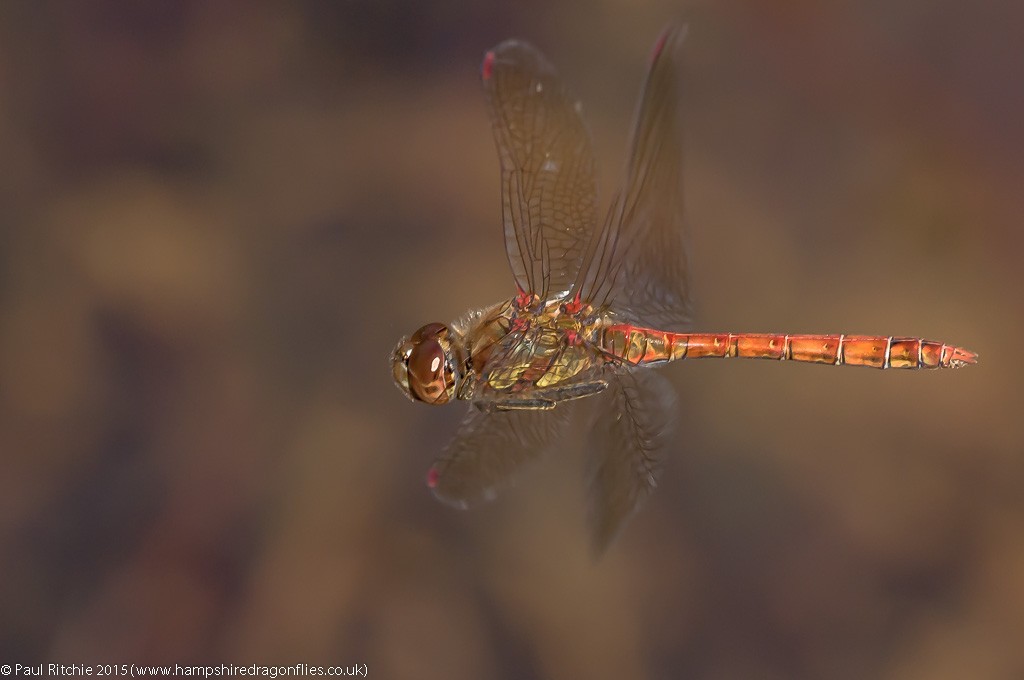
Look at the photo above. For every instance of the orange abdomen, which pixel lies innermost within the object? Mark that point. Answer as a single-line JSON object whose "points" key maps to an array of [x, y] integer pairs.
{"points": [[639, 346]]}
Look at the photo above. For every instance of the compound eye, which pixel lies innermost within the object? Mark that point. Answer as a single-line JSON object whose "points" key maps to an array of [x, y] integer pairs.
{"points": [[431, 330], [428, 372]]}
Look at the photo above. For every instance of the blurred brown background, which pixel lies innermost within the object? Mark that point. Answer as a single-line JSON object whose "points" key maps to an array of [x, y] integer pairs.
{"points": [[217, 218]]}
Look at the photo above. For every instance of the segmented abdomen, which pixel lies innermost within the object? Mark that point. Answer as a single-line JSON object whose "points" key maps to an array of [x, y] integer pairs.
{"points": [[647, 346]]}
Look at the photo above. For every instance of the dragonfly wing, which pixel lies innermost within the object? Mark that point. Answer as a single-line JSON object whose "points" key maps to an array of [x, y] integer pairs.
{"points": [[548, 186], [637, 264], [489, 448], [628, 438]]}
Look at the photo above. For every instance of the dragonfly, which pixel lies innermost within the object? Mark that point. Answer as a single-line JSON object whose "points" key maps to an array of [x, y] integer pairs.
{"points": [[598, 304]]}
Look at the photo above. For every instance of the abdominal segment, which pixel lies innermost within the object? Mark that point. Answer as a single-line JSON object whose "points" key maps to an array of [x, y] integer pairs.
{"points": [[641, 346]]}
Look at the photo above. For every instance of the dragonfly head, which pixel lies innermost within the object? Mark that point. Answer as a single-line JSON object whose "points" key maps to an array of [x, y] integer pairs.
{"points": [[424, 366]]}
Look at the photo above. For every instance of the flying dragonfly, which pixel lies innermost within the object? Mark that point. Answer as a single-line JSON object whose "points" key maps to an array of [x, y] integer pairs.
{"points": [[597, 304]]}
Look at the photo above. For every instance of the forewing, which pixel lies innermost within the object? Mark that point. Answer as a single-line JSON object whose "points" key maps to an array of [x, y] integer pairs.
{"points": [[488, 450], [548, 190], [628, 438], [638, 264]]}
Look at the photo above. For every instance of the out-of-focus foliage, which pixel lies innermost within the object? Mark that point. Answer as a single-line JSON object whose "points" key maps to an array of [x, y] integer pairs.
{"points": [[216, 219]]}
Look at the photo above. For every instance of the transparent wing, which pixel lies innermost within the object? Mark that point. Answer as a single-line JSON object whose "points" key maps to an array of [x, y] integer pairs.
{"points": [[637, 264], [488, 450], [547, 168], [626, 445]]}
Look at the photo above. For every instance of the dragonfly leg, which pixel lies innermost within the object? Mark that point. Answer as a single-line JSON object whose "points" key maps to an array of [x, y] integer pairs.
{"points": [[577, 391], [523, 405], [547, 399]]}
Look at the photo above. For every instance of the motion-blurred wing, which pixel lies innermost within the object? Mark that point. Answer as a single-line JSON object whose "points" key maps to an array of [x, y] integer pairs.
{"points": [[548, 188], [638, 264], [630, 433], [488, 450]]}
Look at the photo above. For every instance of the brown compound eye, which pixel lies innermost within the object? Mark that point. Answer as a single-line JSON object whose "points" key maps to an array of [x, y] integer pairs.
{"points": [[424, 366], [430, 331], [429, 375]]}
